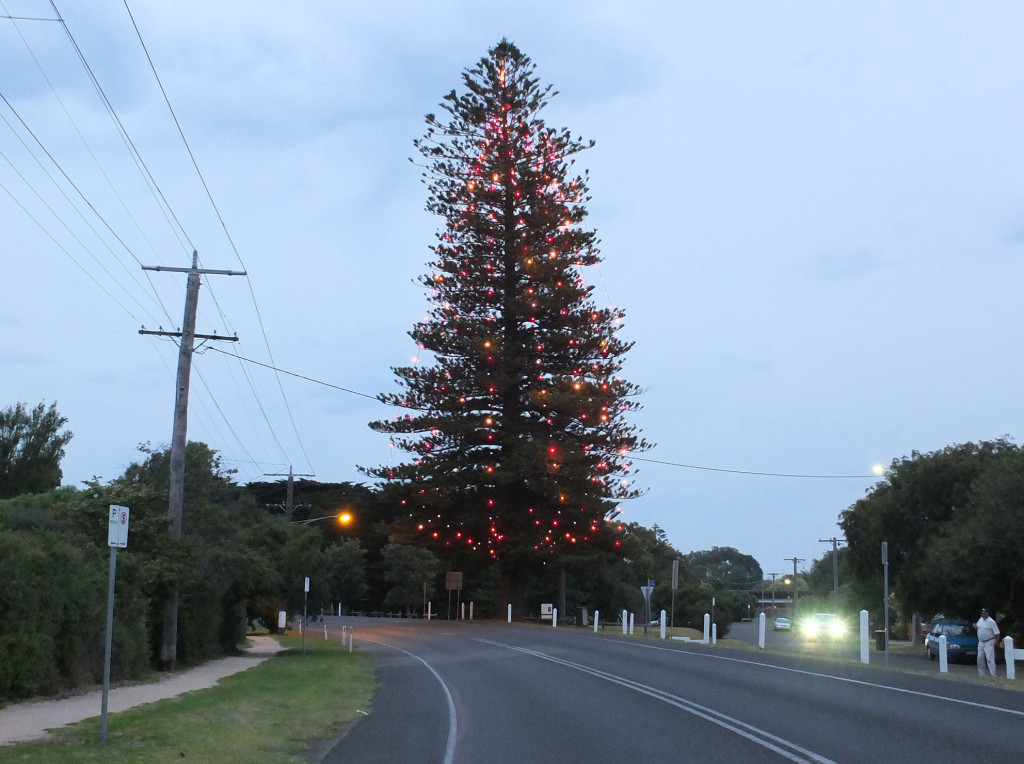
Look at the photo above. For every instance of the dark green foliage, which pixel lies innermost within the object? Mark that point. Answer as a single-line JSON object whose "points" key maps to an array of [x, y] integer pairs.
{"points": [[725, 565], [952, 520], [31, 449], [411, 574], [515, 422], [346, 571], [53, 598]]}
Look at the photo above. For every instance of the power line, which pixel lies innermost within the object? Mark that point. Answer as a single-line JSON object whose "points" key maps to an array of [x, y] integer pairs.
{"points": [[632, 457]]}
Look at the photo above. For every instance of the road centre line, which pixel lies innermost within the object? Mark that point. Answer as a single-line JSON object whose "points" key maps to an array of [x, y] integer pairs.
{"points": [[748, 731], [453, 726], [861, 682]]}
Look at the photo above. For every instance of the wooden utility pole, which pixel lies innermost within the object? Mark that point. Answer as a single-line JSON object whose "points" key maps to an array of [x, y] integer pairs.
{"points": [[176, 486], [835, 570], [796, 586], [289, 506]]}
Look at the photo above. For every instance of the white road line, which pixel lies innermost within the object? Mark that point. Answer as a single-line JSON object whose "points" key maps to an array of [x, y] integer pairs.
{"points": [[453, 726], [890, 688], [748, 731]]}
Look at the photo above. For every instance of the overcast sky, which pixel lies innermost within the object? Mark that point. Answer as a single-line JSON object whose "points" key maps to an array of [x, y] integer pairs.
{"points": [[811, 213]]}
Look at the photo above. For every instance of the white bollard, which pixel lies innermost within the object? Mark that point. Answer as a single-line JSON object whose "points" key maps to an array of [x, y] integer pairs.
{"points": [[714, 633], [510, 614], [632, 619], [1011, 670], [597, 618], [554, 617], [662, 622], [707, 628], [471, 611], [325, 631], [760, 630], [624, 622], [864, 637], [943, 658], [462, 612]]}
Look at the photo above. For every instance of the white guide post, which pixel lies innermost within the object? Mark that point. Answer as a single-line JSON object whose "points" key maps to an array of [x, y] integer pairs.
{"points": [[624, 622], [864, 636], [597, 618], [760, 630], [662, 622]]}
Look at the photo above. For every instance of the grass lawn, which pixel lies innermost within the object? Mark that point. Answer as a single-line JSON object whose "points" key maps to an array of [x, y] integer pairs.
{"points": [[287, 705]]}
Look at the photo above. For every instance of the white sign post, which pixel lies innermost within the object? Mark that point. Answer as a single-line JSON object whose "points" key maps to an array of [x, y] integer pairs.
{"points": [[117, 538]]}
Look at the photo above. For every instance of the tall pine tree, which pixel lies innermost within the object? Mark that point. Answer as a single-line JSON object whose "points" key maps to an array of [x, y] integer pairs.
{"points": [[515, 421]]}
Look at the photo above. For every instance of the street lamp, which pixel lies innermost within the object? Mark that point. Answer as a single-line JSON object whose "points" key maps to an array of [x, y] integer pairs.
{"points": [[344, 519]]}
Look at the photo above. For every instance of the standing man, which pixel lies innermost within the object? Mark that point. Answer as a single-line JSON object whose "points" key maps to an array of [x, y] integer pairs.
{"points": [[987, 630]]}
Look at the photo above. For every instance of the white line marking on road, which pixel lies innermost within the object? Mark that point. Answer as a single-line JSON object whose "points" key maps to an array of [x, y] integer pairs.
{"points": [[940, 698], [750, 732], [453, 726]]}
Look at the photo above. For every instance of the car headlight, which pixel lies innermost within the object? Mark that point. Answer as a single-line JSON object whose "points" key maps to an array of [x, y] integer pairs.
{"points": [[810, 628], [837, 629]]}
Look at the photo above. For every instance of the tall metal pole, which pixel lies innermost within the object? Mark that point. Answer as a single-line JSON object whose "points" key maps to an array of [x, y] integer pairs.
{"points": [[109, 639]]}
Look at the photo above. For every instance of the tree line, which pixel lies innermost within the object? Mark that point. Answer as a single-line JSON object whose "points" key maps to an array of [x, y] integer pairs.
{"points": [[240, 562]]}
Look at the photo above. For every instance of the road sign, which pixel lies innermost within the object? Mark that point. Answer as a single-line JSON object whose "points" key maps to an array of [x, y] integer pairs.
{"points": [[117, 530], [646, 590], [650, 582]]}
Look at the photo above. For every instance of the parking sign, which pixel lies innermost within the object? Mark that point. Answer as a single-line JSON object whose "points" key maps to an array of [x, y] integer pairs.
{"points": [[117, 530]]}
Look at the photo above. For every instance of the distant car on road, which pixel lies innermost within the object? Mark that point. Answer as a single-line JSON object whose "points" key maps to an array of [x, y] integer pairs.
{"points": [[823, 626], [961, 641], [781, 624]]}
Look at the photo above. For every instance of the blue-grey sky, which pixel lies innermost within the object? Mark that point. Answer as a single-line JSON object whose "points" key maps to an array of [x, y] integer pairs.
{"points": [[811, 213]]}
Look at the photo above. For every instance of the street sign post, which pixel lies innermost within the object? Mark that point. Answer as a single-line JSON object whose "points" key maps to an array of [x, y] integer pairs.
{"points": [[117, 538]]}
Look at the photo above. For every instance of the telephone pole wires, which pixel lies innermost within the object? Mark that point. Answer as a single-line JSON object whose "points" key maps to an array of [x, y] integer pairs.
{"points": [[176, 485]]}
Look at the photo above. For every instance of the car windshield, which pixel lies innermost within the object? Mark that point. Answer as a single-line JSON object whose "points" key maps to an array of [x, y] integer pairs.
{"points": [[957, 630]]}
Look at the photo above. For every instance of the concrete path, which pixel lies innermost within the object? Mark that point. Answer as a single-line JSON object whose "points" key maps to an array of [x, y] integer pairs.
{"points": [[22, 722]]}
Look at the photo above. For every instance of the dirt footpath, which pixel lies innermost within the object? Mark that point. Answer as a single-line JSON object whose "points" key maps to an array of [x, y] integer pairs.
{"points": [[22, 722]]}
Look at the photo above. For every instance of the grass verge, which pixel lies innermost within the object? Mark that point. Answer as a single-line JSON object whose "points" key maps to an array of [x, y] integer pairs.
{"points": [[275, 711]]}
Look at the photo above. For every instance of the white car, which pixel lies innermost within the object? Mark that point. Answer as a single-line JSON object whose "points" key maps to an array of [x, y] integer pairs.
{"points": [[781, 624]]}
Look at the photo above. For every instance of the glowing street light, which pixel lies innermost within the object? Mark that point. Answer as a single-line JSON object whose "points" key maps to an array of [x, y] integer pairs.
{"points": [[344, 519]]}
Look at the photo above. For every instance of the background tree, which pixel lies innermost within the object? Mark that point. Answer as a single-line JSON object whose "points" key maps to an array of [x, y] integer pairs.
{"points": [[724, 564], [31, 448], [516, 424], [411, 572], [955, 510], [346, 571]]}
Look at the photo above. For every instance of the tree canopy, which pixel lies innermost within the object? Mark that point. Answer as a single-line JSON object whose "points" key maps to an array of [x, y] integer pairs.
{"points": [[953, 521], [515, 422], [31, 449]]}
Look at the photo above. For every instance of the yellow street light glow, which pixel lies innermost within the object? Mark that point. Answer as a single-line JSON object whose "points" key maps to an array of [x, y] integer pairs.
{"points": [[344, 518]]}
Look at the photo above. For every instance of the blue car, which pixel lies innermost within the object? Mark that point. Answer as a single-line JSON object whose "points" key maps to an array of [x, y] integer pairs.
{"points": [[961, 641]]}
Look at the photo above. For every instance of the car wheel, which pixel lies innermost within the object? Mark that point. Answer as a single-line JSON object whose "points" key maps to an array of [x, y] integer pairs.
{"points": [[931, 656]]}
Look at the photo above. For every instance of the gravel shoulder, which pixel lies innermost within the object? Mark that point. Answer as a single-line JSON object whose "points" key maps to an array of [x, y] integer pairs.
{"points": [[32, 720]]}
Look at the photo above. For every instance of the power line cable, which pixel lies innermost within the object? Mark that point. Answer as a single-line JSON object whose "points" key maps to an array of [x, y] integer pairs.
{"points": [[227, 234], [631, 456]]}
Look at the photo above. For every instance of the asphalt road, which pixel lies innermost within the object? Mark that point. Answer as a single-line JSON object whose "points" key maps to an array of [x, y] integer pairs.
{"points": [[492, 692]]}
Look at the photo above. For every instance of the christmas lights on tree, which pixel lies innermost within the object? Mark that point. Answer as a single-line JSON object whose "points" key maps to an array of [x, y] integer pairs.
{"points": [[515, 420]]}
